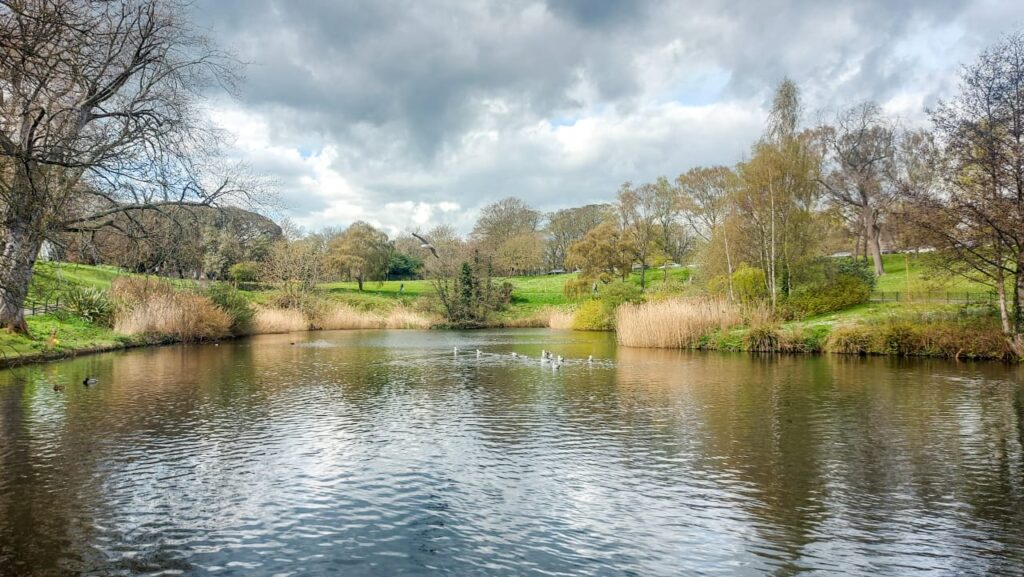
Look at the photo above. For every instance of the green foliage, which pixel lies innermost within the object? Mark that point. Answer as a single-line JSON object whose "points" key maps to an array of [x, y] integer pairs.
{"points": [[88, 303], [471, 296], [617, 292], [233, 302], [578, 288], [404, 266], [593, 315], [749, 284], [830, 285], [247, 271]]}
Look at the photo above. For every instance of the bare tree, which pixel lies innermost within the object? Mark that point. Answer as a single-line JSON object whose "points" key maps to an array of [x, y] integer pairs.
{"points": [[860, 172], [976, 210], [705, 198], [638, 219], [100, 117]]}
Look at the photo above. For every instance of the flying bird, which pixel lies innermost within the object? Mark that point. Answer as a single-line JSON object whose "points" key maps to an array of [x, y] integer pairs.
{"points": [[425, 244]]}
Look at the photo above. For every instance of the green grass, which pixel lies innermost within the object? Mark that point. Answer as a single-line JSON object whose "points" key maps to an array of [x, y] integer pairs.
{"points": [[530, 292], [924, 276], [72, 334]]}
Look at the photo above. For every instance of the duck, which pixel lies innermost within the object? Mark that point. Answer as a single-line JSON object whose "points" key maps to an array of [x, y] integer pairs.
{"points": [[57, 388], [90, 381], [559, 359]]}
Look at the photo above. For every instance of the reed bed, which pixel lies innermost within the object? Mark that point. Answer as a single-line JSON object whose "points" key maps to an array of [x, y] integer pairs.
{"points": [[185, 317], [560, 319], [678, 323], [267, 321]]}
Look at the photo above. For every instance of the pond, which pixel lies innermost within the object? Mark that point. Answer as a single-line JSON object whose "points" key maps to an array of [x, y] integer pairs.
{"points": [[385, 453]]}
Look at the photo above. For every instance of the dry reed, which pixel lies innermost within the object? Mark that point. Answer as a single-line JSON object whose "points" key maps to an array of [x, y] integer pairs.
{"points": [[183, 316], [269, 321], [559, 319], [679, 323]]}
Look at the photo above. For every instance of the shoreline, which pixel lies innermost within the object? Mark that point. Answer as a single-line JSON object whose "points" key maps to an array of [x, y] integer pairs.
{"points": [[713, 343]]}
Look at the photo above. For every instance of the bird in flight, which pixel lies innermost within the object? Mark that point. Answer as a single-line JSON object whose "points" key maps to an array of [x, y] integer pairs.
{"points": [[426, 245]]}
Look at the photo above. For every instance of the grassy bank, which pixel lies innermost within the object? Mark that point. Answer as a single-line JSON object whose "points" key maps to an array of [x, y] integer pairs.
{"points": [[944, 331], [665, 321]]}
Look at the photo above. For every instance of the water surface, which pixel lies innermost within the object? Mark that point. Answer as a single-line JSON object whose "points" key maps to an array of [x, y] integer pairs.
{"points": [[383, 453]]}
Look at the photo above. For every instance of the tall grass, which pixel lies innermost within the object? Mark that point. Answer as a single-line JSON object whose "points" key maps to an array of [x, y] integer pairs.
{"points": [[344, 317], [155, 309], [678, 323], [268, 321], [337, 317], [560, 319]]}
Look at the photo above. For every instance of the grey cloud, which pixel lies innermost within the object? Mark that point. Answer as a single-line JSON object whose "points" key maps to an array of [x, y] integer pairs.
{"points": [[400, 87]]}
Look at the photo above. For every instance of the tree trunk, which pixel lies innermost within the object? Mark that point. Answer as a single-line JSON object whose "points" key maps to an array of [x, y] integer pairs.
{"points": [[359, 281], [19, 252], [728, 266], [643, 274], [873, 234]]}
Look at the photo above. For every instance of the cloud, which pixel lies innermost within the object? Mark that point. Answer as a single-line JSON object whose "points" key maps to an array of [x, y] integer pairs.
{"points": [[410, 114]]}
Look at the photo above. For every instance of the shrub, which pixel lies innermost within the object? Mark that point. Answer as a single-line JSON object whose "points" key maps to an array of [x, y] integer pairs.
{"points": [[233, 302], [244, 272], [578, 288], [679, 323], [849, 339], [618, 292], [841, 293], [749, 284], [762, 339], [829, 285], [593, 315], [88, 303]]}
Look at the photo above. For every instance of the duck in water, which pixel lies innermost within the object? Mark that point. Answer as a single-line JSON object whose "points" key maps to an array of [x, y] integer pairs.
{"points": [[88, 381]]}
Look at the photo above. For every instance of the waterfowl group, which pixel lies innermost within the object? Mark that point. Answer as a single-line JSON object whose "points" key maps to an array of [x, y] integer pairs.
{"points": [[545, 357]]}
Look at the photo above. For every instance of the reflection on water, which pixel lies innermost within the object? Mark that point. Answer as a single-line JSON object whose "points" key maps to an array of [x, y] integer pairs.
{"points": [[383, 453]]}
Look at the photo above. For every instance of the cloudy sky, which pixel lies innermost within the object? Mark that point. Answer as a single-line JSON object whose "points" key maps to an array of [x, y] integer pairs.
{"points": [[412, 113]]}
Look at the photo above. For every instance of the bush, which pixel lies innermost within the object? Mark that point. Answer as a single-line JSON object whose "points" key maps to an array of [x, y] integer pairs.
{"points": [[617, 292], [90, 304], [749, 284], [593, 315], [244, 272], [578, 288], [231, 301], [849, 339], [829, 285], [762, 339]]}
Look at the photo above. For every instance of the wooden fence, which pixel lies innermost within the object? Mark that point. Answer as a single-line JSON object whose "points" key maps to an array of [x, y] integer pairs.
{"points": [[947, 297]]}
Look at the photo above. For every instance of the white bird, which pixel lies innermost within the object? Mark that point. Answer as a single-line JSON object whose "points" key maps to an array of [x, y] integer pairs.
{"points": [[590, 359], [426, 245], [478, 353], [455, 350], [559, 359], [515, 355]]}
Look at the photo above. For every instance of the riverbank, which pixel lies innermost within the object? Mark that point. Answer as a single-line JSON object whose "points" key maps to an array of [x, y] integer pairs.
{"points": [[937, 331], [930, 330]]}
